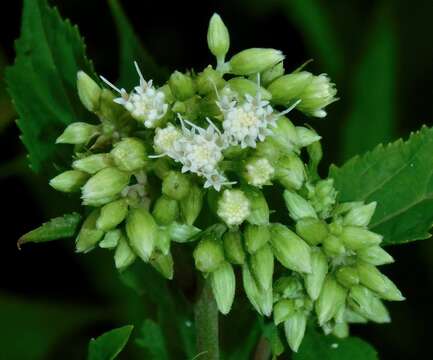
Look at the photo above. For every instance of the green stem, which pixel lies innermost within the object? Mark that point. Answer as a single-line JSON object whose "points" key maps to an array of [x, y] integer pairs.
{"points": [[206, 324]]}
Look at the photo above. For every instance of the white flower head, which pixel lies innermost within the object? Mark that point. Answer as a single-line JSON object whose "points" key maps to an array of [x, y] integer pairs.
{"points": [[259, 172], [233, 207], [145, 103], [165, 138]]}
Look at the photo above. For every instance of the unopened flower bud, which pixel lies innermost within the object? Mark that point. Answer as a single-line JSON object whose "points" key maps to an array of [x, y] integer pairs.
{"points": [[78, 133], [290, 250], [283, 309], [262, 266], [290, 171], [223, 284], [360, 216], [218, 38], [289, 87], [142, 232], [208, 255], [298, 207], [233, 248], [165, 210], [89, 235], [233, 207], [294, 328], [109, 110], [285, 134], [209, 80], [181, 85], [333, 246], [163, 264], [254, 60], [374, 255], [367, 304], [69, 181], [319, 268], [272, 74], [356, 238], [176, 185], [89, 91], [191, 205], [112, 214], [259, 298], [313, 231], [259, 210], [129, 154], [247, 87], [111, 239], [93, 163], [306, 136], [256, 236], [104, 186], [163, 241], [341, 330], [372, 278], [331, 299], [123, 256], [268, 149], [288, 287], [347, 276]]}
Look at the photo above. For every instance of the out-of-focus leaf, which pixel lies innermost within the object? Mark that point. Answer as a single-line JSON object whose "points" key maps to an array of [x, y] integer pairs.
{"points": [[372, 118], [6, 108], [110, 344], [131, 49], [151, 339], [58, 228], [42, 81], [399, 176]]}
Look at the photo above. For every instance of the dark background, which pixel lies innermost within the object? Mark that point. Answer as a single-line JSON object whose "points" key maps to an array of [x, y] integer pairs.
{"points": [[380, 54]]}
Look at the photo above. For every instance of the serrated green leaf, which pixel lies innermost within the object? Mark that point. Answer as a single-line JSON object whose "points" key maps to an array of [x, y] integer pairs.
{"points": [[131, 49], [399, 176], [109, 345], [151, 339], [318, 346], [58, 228], [42, 81]]}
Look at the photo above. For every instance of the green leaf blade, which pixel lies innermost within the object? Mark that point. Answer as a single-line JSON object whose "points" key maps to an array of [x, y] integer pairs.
{"points": [[151, 339], [110, 344]]}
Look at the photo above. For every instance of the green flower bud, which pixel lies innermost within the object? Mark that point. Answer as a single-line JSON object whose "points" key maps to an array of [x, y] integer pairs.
{"points": [[181, 85], [233, 207], [161, 167], [208, 255], [256, 236], [347, 276], [343, 208], [142, 232], [356, 238], [163, 241], [112, 214], [259, 298], [289, 87], [176, 185], [93, 163], [262, 267], [290, 172], [307, 137], [375, 255], [166, 210], [247, 87], [129, 154], [259, 210], [223, 284], [123, 256], [365, 303], [331, 300], [233, 249], [209, 80], [360, 216], [313, 231], [104, 186], [89, 91], [218, 38], [290, 250], [333, 246], [268, 149], [372, 278], [341, 330], [69, 181], [89, 235], [254, 60], [298, 207], [350, 316], [111, 239], [78, 133], [285, 134], [191, 205], [272, 74], [288, 287], [163, 264], [294, 328], [319, 268], [283, 309], [315, 153]]}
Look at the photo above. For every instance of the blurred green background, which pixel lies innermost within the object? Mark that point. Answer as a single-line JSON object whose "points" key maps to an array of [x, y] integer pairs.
{"points": [[379, 53]]}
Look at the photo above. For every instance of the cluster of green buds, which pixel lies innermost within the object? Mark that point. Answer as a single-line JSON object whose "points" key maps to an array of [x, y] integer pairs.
{"points": [[201, 159]]}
